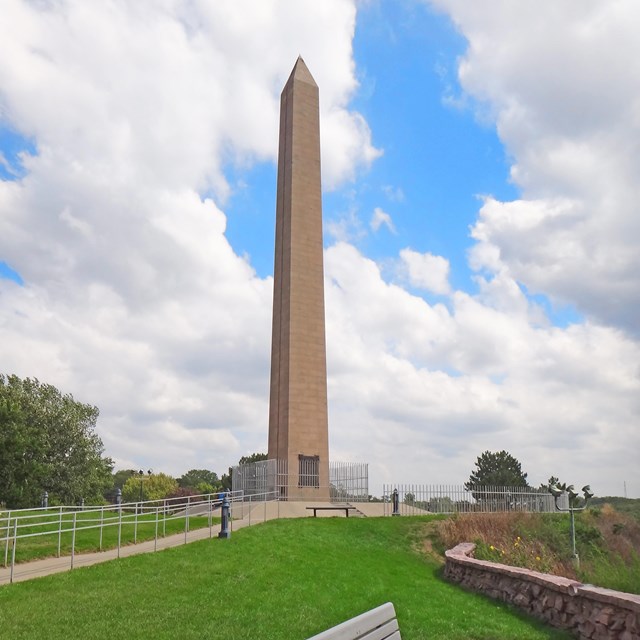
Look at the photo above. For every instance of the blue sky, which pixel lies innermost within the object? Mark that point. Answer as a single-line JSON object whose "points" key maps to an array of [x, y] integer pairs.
{"points": [[438, 156], [480, 212]]}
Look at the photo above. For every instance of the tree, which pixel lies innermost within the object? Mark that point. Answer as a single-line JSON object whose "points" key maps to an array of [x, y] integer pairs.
{"points": [[155, 486], [121, 476], [196, 477], [48, 443], [499, 469], [225, 481]]}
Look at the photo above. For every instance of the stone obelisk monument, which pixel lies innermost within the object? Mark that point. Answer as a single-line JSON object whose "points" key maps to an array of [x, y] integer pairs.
{"points": [[298, 426]]}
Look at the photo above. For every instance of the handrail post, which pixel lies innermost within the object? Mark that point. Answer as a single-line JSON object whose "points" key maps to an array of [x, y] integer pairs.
{"points": [[155, 544], [119, 529], [73, 538], [13, 551], [6, 543], [210, 518], [101, 525], [59, 530]]}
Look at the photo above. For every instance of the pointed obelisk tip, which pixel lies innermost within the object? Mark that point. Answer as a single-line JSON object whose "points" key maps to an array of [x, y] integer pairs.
{"points": [[301, 72]]}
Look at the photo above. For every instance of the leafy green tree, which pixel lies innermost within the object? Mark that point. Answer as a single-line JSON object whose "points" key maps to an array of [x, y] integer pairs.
{"points": [[499, 469], [121, 476], [204, 487], [155, 486], [195, 477], [48, 443]]}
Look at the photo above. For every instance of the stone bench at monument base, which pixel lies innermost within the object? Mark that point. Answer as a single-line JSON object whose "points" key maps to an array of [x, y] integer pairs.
{"points": [[378, 624]]}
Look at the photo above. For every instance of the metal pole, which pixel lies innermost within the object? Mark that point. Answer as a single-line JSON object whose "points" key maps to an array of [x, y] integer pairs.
{"points": [[210, 518], [164, 519], [135, 526], [119, 529], [73, 538], [101, 525], [59, 531], [573, 538], [186, 524], [6, 542], [155, 544], [13, 551]]}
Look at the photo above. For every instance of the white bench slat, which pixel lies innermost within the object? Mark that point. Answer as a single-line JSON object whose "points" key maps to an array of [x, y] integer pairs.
{"points": [[378, 624]]}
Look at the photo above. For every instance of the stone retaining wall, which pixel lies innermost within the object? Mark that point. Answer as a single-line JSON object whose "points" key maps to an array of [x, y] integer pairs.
{"points": [[591, 613]]}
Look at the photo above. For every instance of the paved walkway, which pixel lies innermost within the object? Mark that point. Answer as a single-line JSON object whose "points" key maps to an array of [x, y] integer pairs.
{"points": [[246, 515], [38, 568]]}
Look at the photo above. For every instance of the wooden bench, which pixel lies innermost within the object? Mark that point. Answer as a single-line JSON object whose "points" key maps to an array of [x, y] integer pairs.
{"points": [[344, 508], [378, 624]]}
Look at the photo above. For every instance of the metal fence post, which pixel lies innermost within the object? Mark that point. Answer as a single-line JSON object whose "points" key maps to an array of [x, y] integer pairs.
{"points": [[13, 551], [119, 530], [6, 542], [73, 538], [59, 530], [210, 518], [101, 525], [155, 543], [135, 526]]}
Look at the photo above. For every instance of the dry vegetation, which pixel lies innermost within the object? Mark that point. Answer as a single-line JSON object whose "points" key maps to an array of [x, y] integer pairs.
{"points": [[608, 543]]}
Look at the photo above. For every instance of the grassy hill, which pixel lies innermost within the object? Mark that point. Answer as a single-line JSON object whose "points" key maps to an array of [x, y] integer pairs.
{"points": [[629, 506], [284, 579]]}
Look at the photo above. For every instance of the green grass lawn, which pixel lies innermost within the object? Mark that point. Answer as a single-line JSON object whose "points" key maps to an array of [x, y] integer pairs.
{"points": [[88, 537], [283, 579]]}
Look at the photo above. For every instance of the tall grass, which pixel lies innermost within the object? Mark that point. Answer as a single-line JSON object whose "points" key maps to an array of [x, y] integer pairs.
{"points": [[608, 544]]}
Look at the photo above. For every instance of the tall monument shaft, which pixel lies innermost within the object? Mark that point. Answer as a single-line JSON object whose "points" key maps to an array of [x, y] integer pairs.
{"points": [[298, 425]]}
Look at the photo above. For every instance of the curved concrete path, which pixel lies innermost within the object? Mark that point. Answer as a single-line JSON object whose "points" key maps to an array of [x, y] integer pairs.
{"points": [[244, 515]]}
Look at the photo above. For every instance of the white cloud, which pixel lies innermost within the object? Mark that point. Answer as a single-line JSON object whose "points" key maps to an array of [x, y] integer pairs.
{"points": [[393, 194], [134, 299], [432, 388], [426, 271], [380, 218], [568, 113]]}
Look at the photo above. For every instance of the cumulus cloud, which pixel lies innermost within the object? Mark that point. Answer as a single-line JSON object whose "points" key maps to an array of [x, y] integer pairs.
{"points": [[380, 218], [433, 387], [567, 113], [425, 271], [134, 300]]}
